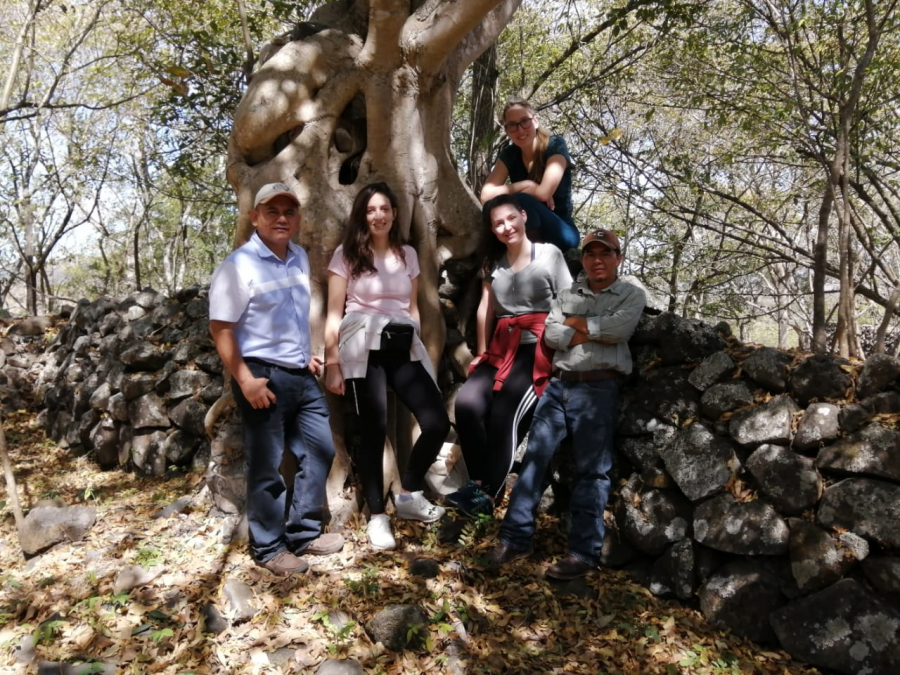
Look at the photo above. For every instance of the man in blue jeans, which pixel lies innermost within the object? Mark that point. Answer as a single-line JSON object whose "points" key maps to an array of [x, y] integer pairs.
{"points": [[259, 319], [588, 326]]}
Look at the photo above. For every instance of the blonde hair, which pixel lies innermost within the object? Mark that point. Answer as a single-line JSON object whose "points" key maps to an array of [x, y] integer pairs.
{"points": [[536, 170]]}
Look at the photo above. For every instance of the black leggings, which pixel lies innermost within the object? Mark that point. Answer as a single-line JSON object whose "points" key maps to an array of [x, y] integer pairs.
{"points": [[490, 424], [418, 392]]}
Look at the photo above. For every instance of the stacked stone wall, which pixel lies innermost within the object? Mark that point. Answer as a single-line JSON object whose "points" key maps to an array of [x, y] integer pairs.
{"points": [[762, 485]]}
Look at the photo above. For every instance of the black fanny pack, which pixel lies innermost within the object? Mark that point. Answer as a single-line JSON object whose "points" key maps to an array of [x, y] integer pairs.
{"points": [[396, 337]]}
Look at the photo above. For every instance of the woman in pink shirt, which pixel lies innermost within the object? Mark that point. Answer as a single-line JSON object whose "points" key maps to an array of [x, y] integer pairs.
{"points": [[372, 343]]}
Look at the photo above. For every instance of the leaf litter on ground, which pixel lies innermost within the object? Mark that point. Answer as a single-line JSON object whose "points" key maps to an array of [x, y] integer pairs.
{"points": [[482, 621]]}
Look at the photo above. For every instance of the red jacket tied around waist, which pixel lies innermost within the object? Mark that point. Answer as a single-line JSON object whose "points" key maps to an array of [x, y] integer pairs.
{"points": [[502, 351]]}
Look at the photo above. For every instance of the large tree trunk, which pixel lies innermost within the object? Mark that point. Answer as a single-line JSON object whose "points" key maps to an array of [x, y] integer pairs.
{"points": [[367, 96]]}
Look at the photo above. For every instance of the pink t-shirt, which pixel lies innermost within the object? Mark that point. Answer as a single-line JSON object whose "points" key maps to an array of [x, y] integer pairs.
{"points": [[386, 292]]}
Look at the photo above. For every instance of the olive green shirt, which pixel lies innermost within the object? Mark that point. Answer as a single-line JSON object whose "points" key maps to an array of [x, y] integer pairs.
{"points": [[611, 316]]}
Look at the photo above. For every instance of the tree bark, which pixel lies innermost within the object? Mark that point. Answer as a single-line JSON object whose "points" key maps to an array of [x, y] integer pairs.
{"points": [[349, 105]]}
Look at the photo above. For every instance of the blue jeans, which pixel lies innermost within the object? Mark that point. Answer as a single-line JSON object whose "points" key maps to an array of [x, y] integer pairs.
{"points": [[586, 411], [545, 225], [298, 423]]}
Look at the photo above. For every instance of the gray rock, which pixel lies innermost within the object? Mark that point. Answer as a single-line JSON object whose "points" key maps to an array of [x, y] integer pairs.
{"points": [[766, 423], [874, 450], [148, 298], [818, 425], [185, 383], [666, 394], [749, 528], [722, 398], [190, 415], [210, 363], [213, 621], [185, 352], [32, 326], [134, 313], [788, 480], [100, 397], [879, 372], [117, 407], [180, 505], [134, 576], [852, 417], [643, 451], [180, 446], [883, 572], [818, 559], [46, 526], [821, 376], [687, 340], [143, 356], [104, 439], [712, 369], [147, 453], [399, 627], [340, 667], [652, 520], [240, 600], [869, 508], [674, 574], [885, 403], [23, 652], [769, 368], [148, 411], [198, 308], [109, 323], [740, 597], [635, 421], [842, 628], [136, 385], [699, 462]]}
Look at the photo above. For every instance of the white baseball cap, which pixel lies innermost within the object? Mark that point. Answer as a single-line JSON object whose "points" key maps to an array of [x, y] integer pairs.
{"points": [[272, 190]]}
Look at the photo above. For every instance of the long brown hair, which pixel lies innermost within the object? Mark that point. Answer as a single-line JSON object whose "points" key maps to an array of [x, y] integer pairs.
{"points": [[357, 239], [536, 170]]}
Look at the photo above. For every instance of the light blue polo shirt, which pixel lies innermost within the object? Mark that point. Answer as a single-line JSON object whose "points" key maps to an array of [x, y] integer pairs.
{"points": [[268, 300]]}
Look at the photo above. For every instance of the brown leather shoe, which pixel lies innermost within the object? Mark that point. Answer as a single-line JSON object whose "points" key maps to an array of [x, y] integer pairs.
{"points": [[503, 555], [569, 568], [325, 544], [285, 563]]}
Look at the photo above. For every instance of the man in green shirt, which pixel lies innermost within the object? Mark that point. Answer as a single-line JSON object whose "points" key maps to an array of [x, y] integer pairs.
{"points": [[588, 326]]}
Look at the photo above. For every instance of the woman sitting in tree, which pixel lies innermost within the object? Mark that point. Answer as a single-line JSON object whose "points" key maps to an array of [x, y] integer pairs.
{"points": [[539, 169]]}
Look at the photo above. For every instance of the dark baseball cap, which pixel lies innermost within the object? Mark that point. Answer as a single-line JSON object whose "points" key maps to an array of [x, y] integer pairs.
{"points": [[606, 237]]}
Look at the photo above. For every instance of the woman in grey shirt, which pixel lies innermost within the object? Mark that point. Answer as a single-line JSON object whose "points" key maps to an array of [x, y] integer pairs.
{"points": [[494, 407]]}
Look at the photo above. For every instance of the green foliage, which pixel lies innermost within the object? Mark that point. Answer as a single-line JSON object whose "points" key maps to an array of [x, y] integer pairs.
{"points": [[148, 557], [341, 635], [48, 631], [367, 584]]}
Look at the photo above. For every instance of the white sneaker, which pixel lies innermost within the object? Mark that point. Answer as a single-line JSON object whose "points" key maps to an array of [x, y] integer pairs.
{"points": [[418, 508], [379, 532]]}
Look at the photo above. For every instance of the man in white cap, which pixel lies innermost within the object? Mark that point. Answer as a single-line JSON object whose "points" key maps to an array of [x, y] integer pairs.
{"points": [[588, 326], [259, 319]]}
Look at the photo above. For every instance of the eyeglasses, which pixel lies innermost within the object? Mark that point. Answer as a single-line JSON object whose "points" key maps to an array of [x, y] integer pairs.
{"points": [[524, 123]]}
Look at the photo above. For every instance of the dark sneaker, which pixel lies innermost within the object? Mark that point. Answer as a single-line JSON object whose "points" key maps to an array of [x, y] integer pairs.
{"points": [[285, 563], [325, 544], [569, 568], [471, 500], [503, 555]]}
